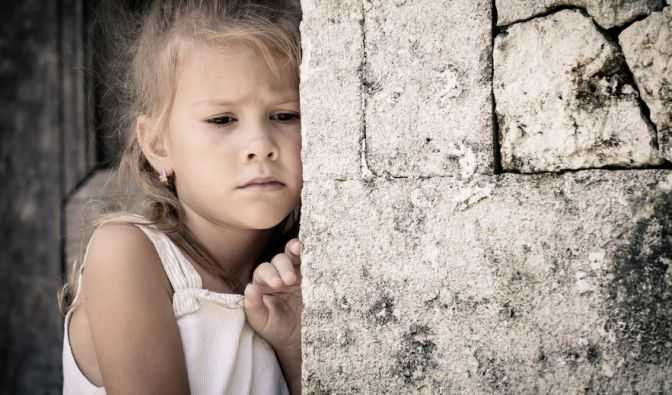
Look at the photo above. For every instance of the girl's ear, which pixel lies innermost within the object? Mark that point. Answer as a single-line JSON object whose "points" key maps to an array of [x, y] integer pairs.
{"points": [[153, 144]]}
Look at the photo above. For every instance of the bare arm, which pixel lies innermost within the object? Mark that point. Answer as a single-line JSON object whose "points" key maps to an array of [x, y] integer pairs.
{"points": [[127, 299]]}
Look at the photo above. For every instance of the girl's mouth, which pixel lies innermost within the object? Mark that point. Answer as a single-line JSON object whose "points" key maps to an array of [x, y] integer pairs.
{"points": [[273, 185]]}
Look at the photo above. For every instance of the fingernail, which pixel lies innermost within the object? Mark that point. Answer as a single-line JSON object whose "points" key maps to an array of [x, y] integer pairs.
{"points": [[297, 247]]}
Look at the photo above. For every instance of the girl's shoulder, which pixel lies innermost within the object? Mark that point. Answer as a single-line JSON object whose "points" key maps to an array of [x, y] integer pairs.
{"points": [[125, 229], [120, 248]]}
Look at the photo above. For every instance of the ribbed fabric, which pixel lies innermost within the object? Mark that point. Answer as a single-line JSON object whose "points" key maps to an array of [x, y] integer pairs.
{"points": [[223, 354]]}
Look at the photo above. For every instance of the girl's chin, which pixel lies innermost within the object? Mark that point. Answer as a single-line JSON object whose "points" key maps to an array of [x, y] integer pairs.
{"points": [[264, 222]]}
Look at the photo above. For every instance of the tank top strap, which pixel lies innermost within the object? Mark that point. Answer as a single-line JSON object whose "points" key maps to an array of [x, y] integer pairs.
{"points": [[186, 281], [180, 271]]}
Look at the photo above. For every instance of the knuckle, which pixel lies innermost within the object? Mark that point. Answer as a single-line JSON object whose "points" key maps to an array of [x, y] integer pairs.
{"points": [[280, 259], [261, 271], [281, 272]]}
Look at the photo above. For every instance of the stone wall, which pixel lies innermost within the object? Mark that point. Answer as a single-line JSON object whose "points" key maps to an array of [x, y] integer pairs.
{"points": [[487, 205]]}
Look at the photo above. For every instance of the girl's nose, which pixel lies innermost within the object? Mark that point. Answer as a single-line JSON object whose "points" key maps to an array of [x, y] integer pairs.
{"points": [[271, 154], [261, 148]]}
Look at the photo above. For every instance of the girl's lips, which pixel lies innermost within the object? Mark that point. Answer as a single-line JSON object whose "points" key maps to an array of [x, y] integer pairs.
{"points": [[273, 185], [261, 180]]}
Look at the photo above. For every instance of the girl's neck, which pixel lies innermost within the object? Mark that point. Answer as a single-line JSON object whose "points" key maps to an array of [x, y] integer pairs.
{"points": [[235, 250]]}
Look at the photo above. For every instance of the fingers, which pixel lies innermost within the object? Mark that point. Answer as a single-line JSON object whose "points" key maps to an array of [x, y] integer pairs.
{"points": [[293, 247], [277, 275], [254, 305], [284, 265], [253, 295], [293, 252], [282, 273], [266, 275]]}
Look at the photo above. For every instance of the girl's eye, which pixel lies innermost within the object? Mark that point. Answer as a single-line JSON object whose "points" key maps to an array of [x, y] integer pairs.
{"points": [[285, 116], [222, 120]]}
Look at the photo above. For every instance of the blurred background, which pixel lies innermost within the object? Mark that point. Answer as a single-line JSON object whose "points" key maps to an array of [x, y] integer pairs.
{"points": [[55, 154]]}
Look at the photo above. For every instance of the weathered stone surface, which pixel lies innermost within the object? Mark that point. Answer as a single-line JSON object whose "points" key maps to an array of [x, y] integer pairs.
{"points": [[564, 99], [606, 13], [511, 284], [647, 46], [331, 102], [427, 76]]}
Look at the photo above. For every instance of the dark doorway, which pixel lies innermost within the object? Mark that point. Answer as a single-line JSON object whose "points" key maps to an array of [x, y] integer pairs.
{"points": [[52, 142]]}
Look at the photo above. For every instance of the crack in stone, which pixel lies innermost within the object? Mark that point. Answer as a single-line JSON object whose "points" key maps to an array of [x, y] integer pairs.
{"points": [[629, 78], [365, 169], [584, 11], [664, 166], [549, 11], [496, 147]]}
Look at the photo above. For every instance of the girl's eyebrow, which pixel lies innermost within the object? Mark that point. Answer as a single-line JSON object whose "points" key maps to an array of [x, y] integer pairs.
{"points": [[228, 102]]}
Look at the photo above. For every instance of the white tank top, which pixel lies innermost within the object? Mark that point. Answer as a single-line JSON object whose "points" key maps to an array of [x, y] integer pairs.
{"points": [[223, 354]]}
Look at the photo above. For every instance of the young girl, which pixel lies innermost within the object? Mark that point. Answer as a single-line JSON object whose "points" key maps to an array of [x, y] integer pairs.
{"points": [[201, 293]]}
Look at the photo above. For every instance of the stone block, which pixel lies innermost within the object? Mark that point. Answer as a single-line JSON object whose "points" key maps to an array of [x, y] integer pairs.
{"points": [[647, 46], [564, 99], [427, 88], [511, 284]]}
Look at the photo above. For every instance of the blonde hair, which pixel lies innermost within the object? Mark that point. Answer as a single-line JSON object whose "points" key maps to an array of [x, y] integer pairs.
{"points": [[151, 43]]}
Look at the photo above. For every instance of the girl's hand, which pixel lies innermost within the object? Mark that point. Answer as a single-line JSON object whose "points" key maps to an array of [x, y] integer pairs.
{"points": [[273, 302]]}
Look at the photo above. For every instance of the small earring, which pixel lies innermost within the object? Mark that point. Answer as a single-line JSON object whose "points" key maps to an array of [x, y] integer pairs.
{"points": [[163, 177]]}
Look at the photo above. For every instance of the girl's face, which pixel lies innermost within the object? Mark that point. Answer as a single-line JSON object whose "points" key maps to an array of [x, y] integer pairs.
{"points": [[234, 120]]}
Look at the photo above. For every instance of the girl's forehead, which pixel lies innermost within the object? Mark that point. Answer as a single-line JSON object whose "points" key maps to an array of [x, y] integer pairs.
{"points": [[236, 56], [233, 70]]}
